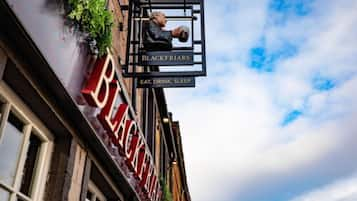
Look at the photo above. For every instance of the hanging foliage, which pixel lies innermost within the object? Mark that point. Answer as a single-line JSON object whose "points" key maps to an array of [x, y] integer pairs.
{"points": [[94, 19], [166, 194]]}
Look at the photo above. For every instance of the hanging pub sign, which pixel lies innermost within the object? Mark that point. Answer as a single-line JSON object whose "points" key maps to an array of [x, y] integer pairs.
{"points": [[165, 82], [179, 47], [166, 58]]}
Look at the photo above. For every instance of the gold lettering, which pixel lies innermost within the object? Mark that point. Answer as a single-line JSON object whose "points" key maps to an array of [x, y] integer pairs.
{"points": [[172, 58], [162, 81], [145, 58], [145, 81], [182, 81]]}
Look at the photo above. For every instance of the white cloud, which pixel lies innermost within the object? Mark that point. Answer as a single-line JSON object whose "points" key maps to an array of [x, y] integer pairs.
{"points": [[234, 25], [231, 122], [341, 190]]}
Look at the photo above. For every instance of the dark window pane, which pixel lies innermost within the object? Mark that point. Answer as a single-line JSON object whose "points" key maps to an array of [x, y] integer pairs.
{"points": [[89, 195], [20, 199], [10, 143], [16, 122], [30, 163], [4, 195]]}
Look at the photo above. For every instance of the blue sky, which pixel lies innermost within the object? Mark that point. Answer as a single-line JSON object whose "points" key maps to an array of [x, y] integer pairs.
{"points": [[274, 120]]}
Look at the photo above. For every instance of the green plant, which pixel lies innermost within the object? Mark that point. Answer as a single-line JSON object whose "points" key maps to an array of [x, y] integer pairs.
{"points": [[166, 194], [93, 18]]}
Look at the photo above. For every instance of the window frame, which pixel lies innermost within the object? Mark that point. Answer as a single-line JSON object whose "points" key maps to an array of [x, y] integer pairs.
{"points": [[32, 126], [89, 182], [96, 193]]}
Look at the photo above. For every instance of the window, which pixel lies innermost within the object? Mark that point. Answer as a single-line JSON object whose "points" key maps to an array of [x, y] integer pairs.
{"points": [[99, 186], [25, 147], [94, 194]]}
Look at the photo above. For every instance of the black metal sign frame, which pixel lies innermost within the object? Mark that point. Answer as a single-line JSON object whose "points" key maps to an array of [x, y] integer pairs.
{"points": [[136, 12]]}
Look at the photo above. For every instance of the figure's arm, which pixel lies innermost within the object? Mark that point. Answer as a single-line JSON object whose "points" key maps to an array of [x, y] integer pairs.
{"points": [[157, 34]]}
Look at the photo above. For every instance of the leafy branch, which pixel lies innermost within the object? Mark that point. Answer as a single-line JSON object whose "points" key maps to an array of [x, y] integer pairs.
{"points": [[94, 19], [166, 194]]}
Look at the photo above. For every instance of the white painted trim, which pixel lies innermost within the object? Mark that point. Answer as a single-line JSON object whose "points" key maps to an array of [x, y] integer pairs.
{"points": [[5, 110], [95, 191], [22, 158], [32, 125], [24, 113]]}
